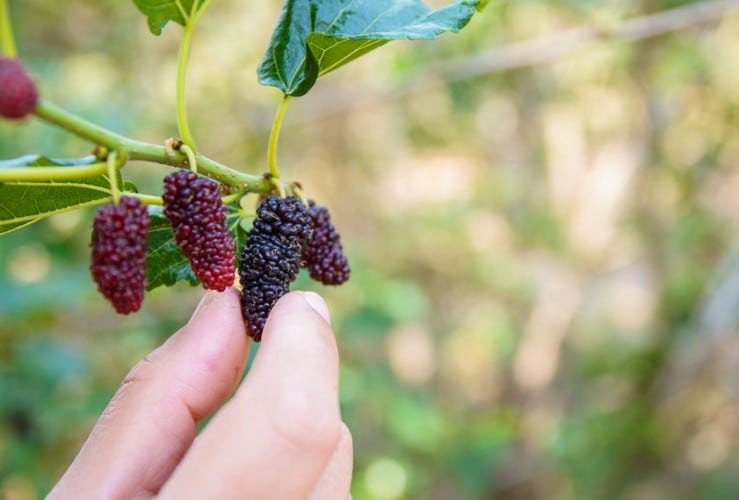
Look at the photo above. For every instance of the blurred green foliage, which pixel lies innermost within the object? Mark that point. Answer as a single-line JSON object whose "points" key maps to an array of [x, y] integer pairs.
{"points": [[545, 296]]}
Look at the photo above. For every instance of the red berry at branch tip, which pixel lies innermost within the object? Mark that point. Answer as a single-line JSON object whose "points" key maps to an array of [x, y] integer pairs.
{"points": [[18, 94]]}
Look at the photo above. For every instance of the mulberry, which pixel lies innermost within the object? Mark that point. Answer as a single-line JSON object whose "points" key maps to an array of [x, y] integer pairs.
{"points": [[118, 264], [18, 94], [194, 207], [270, 260], [324, 256]]}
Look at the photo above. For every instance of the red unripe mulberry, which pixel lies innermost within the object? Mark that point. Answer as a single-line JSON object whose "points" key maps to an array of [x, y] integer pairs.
{"points": [[18, 94], [119, 245], [193, 205]]}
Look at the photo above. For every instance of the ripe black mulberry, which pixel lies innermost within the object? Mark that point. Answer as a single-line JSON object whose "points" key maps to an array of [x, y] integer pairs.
{"points": [[18, 93], [118, 264], [270, 260], [193, 205], [324, 256]]}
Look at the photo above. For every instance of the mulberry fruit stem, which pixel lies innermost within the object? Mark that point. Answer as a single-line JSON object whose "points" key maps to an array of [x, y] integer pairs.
{"points": [[146, 199], [112, 167], [191, 160], [274, 138], [7, 42], [297, 191], [143, 151]]}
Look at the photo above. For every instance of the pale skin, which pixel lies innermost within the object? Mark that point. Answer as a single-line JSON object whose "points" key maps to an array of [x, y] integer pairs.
{"points": [[278, 434]]}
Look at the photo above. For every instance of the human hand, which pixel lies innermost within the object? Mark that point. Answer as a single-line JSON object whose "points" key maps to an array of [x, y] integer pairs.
{"points": [[280, 435]]}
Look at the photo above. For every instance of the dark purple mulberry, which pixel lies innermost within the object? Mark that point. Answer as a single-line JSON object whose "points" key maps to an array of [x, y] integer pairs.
{"points": [[324, 256], [18, 94], [118, 264], [270, 260], [193, 205]]}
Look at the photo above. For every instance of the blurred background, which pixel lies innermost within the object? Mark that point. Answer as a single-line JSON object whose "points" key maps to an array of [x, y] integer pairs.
{"points": [[541, 213]]}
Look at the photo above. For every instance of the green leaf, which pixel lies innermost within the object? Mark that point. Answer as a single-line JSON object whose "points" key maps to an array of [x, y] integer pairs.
{"points": [[160, 12], [166, 263], [314, 37], [34, 160], [23, 203]]}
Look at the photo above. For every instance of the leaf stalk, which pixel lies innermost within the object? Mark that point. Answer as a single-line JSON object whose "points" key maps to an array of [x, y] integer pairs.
{"points": [[182, 60], [274, 138]]}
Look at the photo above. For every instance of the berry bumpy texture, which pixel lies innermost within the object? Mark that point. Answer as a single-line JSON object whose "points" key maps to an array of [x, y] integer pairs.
{"points": [[270, 260], [324, 256], [118, 264], [193, 205], [18, 94]]}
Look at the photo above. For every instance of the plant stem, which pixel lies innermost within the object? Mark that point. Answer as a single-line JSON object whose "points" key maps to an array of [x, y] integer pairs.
{"points": [[112, 167], [182, 60], [191, 160], [143, 151], [7, 42], [146, 198], [44, 174], [231, 198], [274, 138]]}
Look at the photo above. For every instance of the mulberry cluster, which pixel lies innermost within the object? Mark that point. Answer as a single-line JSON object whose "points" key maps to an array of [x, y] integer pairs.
{"points": [[118, 264], [18, 94], [324, 256], [271, 258], [193, 204]]}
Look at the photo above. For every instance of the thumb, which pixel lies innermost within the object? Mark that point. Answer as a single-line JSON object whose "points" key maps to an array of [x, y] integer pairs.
{"points": [[286, 413]]}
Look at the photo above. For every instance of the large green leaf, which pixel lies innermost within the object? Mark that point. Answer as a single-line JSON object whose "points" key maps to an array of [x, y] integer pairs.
{"points": [[160, 12], [23, 203], [313, 37]]}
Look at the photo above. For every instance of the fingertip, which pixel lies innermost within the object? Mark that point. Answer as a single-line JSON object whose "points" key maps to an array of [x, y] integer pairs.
{"points": [[317, 303], [226, 301], [299, 318]]}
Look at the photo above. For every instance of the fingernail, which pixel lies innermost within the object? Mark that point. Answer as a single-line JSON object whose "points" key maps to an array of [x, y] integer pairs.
{"points": [[318, 304], [206, 301]]}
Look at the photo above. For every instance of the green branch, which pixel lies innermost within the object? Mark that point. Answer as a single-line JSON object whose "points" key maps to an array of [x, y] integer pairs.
{"points": [[143, 151], [7, 42]]}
